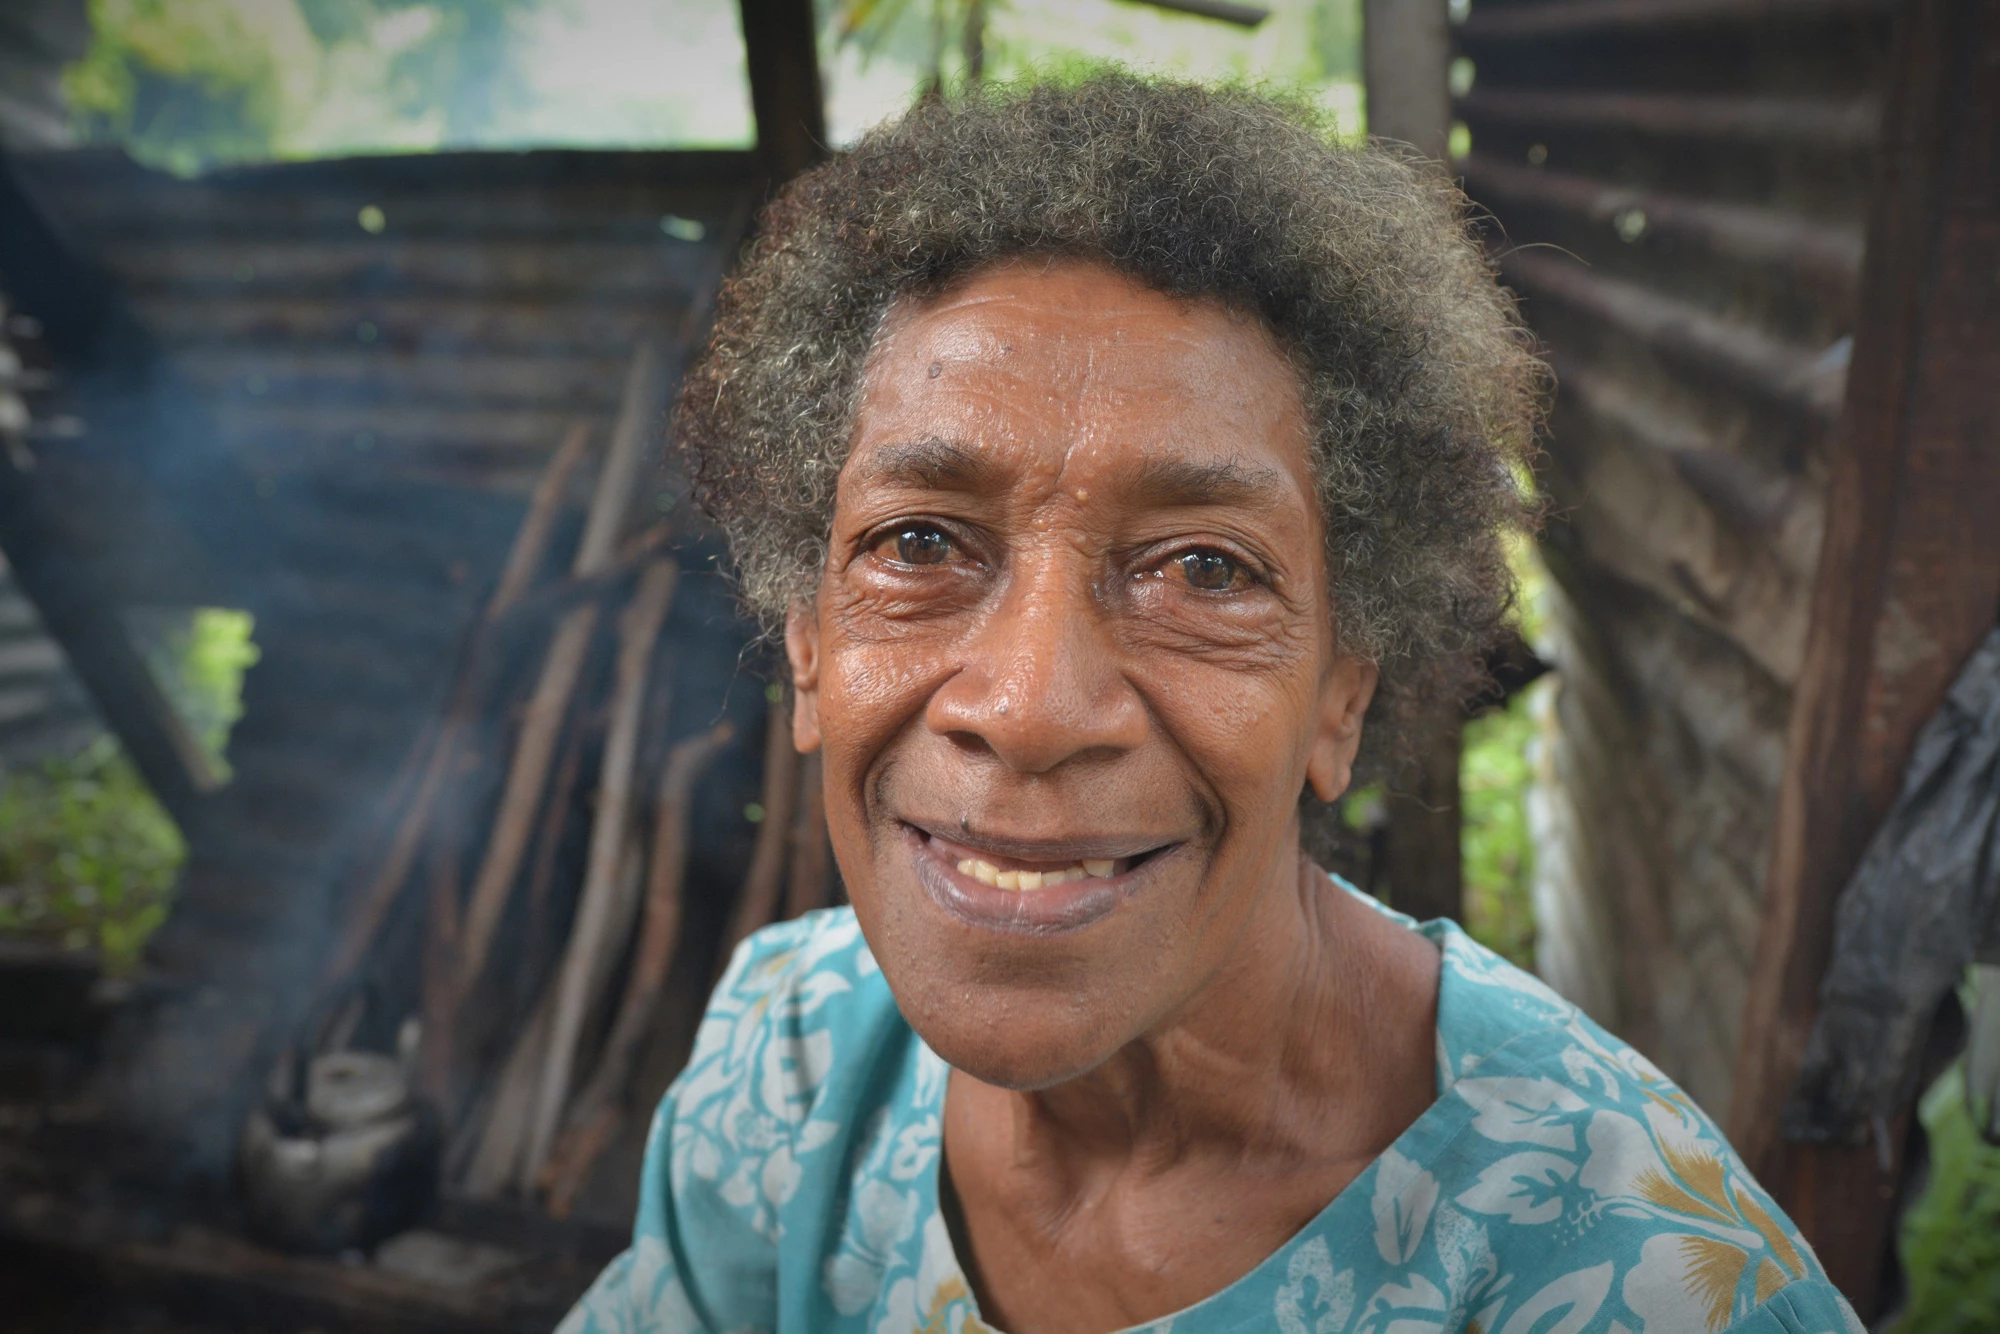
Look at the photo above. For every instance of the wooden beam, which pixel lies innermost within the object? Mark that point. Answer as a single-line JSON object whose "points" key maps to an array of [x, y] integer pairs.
{"points": [[83, 621], [1908, 583], [1406, 62], [781, 46]]}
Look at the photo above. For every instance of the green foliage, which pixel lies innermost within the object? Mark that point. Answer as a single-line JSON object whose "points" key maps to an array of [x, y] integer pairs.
{"points": [[336, 21], [200, 664], [87, 855], [1499, 859], [186, 85], [181, 82], [465, 63], [1309, 45], [1336, 44], [1951, 1237]]}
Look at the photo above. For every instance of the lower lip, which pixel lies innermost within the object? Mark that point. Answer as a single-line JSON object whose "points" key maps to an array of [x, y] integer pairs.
{"points": [[1051, 910]]}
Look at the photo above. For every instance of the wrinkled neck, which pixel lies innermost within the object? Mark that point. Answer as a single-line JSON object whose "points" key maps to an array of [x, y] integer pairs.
{"points": [[1290, 1029]]}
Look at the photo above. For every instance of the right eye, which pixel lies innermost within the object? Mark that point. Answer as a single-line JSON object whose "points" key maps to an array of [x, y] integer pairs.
{"points": [[915, 544]]}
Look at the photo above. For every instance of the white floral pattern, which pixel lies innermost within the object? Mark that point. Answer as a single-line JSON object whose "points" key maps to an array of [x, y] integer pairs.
{"points": [[1559, 1185]]}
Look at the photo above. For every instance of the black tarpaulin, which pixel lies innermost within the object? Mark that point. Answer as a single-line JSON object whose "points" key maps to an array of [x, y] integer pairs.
{"points": [[1917, 911]]}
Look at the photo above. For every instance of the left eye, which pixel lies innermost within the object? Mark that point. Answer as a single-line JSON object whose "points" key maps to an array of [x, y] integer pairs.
{"points": [[1210, 571]]}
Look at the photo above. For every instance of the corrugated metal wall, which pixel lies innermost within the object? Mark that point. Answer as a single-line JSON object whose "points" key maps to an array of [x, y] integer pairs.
{"points": [[371, 359], [1678, 190]]}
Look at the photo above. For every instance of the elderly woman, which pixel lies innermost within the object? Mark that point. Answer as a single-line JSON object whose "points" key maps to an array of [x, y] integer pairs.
{"points": [[1109, 454]]}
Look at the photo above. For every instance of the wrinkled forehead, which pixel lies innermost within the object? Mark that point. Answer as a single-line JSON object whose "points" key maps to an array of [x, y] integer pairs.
{"points": [[1065, 358]]}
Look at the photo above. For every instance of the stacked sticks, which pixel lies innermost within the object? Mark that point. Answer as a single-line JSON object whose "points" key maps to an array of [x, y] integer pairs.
{"points": [[541, 975]]}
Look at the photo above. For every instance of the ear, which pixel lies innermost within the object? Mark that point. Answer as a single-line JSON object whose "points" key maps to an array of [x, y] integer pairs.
{"points": [[802, 651], [1344, 693]]}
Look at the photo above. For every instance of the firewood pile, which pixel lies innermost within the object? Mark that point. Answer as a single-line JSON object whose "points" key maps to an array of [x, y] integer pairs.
{"points": [[513, 941]]}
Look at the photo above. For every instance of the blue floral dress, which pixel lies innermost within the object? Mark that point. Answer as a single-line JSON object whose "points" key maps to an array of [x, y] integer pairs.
{"points": [[1559, 1184]]}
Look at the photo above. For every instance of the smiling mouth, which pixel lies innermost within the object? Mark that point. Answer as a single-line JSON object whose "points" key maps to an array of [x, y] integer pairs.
{"points": [[1067, 886]]}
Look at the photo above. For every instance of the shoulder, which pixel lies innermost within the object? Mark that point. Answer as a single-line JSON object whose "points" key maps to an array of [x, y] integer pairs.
{"points": [[809, 974], [770, 1082], [759, 1116], [1575, 1166], [797, 1000]]}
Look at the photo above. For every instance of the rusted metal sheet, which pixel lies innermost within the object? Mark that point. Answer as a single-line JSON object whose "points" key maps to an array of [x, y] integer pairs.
{"points": [[1814, 251], [1569, 18], [1818, 125], [505, 268], [1730, 546], [1677, 189], [490, 323], [1799, 380], [345, 374]]}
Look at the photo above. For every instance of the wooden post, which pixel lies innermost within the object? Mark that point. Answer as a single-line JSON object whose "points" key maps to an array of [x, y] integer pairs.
{"points": [[781, 46], [1426, 872], [812, 855], [1406, 63], [1406, 59], [1908, 584], [82, 620], [758, 901]]}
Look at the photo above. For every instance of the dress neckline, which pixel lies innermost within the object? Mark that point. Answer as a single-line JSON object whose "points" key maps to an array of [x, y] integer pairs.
{"points": [[1352, 1211]]}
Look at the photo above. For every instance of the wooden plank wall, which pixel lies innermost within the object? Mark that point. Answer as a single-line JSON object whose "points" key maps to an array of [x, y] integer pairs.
{"points": [[1678, 189]]}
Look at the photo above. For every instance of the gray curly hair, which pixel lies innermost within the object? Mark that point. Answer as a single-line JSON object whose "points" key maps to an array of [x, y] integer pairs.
{"points": [[1422, 390]]}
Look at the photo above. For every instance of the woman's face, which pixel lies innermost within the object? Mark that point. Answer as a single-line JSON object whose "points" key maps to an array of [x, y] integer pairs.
{"points": [[1071, 660]]}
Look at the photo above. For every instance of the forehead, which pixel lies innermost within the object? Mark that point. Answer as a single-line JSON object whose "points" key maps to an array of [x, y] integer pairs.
{"points": [[1072, 363]]}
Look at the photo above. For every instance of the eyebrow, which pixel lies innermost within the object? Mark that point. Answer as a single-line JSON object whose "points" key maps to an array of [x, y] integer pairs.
{"points": [[942, 465], [1170, 482], [937, 465]]}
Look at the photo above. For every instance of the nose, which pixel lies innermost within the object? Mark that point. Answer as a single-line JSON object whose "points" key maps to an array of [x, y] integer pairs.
{"points": [[1040, 682]]}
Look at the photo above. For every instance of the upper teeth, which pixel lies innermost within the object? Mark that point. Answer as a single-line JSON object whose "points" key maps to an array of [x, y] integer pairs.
{"points": [[986, 873]]}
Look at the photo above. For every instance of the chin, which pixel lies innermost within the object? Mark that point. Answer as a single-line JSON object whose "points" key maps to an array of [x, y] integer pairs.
{"points": [[1025, 1057]]}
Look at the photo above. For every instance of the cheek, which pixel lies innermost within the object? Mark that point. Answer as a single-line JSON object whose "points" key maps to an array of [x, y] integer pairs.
{"points": [[1244, 720], [871, 691]]}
